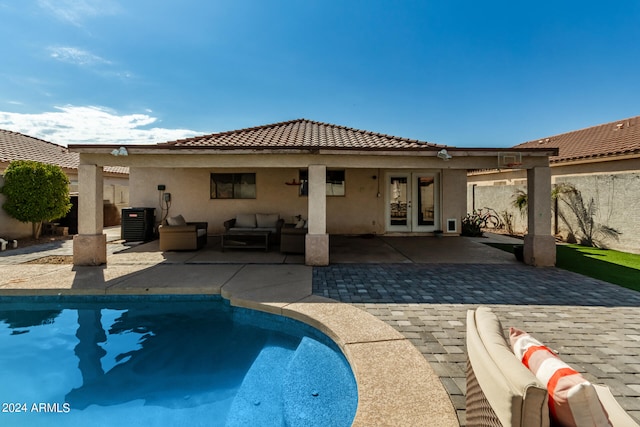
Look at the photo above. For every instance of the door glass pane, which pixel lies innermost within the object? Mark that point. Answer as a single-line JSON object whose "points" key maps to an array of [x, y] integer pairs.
{"points": [[398, 200], [426, 200]]}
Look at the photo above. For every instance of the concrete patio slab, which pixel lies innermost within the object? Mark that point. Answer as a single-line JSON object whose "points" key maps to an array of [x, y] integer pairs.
{"points": [[268, 288], [16, 276], [363, 249], [253, 277], [175, 278], [429, 250]]}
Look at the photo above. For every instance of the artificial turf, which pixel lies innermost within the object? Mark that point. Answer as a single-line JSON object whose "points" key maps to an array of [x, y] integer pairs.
{"points": [[616, 267]]}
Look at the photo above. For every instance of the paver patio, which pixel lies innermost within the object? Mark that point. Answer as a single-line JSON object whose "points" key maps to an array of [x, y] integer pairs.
{"points": [[595, 326]]}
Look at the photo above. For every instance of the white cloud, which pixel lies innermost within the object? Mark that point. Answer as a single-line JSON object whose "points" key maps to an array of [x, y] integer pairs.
{"points": [[76, 11], [90, 125], [76, 56]]}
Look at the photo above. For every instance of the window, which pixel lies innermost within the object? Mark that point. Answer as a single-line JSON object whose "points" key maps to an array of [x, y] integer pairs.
{"points": [[233, 185], [335, 182]]}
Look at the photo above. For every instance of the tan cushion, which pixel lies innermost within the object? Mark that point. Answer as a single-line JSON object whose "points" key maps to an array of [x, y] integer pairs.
{"points": [[267, 220], [176, 220], [573, 400], [245, 221], [513, 392], [617, 415]]}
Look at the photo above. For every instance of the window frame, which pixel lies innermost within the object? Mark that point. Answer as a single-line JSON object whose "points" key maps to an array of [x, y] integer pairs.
{"points": [[237, 187], [330, 178]]}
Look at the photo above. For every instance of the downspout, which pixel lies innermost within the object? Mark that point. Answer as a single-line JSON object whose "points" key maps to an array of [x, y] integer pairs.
{"points": [[473, 197]]}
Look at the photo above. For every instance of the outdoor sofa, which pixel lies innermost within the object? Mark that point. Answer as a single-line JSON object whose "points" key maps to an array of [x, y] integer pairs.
{"points": [[178, 235], [502, 391], [246, 224]]}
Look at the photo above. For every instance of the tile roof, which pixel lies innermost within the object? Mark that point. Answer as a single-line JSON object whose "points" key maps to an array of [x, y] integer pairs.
{"points": [[16, 146], [610, 139], [301, 134]]}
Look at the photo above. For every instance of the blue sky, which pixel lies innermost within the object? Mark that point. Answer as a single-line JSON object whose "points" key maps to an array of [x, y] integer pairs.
{"points": [[455, 72]]}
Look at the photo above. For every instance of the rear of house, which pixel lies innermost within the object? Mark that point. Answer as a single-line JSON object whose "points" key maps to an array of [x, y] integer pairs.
{"points": [[340, 180]]}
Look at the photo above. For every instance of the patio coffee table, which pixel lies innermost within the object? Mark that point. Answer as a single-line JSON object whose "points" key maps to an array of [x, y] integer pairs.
{"points": [[245, 240]]}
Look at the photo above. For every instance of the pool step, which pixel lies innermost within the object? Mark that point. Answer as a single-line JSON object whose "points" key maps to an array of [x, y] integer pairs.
{"points": [[327, 378], [259, 398]]}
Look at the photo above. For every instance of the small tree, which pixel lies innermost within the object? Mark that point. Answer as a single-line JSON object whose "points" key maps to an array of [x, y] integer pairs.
{"points": [[35, 192], [591, 233], [521, 202], [583, 214]]}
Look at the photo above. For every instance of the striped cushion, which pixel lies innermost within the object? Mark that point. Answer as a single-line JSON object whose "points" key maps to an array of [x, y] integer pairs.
{"points": [[572, 399]]}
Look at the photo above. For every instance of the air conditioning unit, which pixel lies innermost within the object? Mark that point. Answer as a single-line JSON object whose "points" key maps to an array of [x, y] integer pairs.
{"points": [[138, 224]]}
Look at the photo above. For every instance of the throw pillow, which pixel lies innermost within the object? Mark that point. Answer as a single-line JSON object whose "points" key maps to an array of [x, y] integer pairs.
{"points": [[267, 220], [245, 221], [573, 400], [176, 220]]}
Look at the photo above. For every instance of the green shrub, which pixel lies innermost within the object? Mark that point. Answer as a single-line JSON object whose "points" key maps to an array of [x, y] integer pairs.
{"points": [[35, 192]]}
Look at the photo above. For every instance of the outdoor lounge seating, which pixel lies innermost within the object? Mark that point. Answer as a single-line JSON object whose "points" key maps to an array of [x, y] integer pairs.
{"points": [[178, 235], [292, 239], [246, 225], [501, 390]]}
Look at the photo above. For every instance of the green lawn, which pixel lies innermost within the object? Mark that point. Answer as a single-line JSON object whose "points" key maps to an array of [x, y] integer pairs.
{"points": [[620, 268]]}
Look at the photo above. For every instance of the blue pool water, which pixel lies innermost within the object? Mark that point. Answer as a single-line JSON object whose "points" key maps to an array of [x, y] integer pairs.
{"points": [[165, 361]]}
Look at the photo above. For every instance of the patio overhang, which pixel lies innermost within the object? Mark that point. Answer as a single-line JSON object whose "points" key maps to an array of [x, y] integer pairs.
{"points": [[360, 150], [145, 156]]}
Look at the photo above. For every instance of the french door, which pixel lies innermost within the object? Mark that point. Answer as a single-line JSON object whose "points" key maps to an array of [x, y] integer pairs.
{"points": [[412, 202]]}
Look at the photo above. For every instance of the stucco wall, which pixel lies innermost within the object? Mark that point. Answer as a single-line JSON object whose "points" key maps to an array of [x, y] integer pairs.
{"points": [[616, 197], [499, 198], [360, 211], [617, 201], [454, 184], [357, 212]]}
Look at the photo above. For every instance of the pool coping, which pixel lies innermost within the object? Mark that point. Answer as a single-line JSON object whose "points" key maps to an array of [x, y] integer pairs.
{"points": [[396, 385]]}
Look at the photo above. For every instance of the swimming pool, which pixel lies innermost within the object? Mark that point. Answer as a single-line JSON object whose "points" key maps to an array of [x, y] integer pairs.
{"points": [[166, 361]]}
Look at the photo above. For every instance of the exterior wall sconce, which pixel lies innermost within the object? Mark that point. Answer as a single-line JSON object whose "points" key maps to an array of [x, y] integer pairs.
{"points": [[444, 155], [120, 152]]}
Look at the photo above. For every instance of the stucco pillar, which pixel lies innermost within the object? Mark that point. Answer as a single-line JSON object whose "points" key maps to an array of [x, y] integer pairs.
{"points": [[317, 239], [539, 244], [454, 200], [90, 244]]}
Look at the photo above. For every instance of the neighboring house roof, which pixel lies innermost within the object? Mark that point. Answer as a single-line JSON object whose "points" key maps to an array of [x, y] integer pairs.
{"points": [[300, 134], [621, 137], [16, 146]]}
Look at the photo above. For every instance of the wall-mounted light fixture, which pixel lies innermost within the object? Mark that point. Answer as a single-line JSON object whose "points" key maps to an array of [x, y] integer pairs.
{"points": [[120, 152], [444, 155]]}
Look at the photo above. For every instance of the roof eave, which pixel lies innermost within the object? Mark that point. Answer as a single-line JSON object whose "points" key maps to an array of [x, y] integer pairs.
{"points": [[184, 150], [606, 157]]}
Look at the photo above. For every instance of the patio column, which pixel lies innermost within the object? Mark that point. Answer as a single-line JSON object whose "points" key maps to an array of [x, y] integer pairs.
{"points": [[539, 244], [317, 239], [90, 244]]}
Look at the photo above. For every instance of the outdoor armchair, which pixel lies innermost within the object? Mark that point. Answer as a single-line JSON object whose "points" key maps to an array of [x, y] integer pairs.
{"points": [[179, 235]]}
